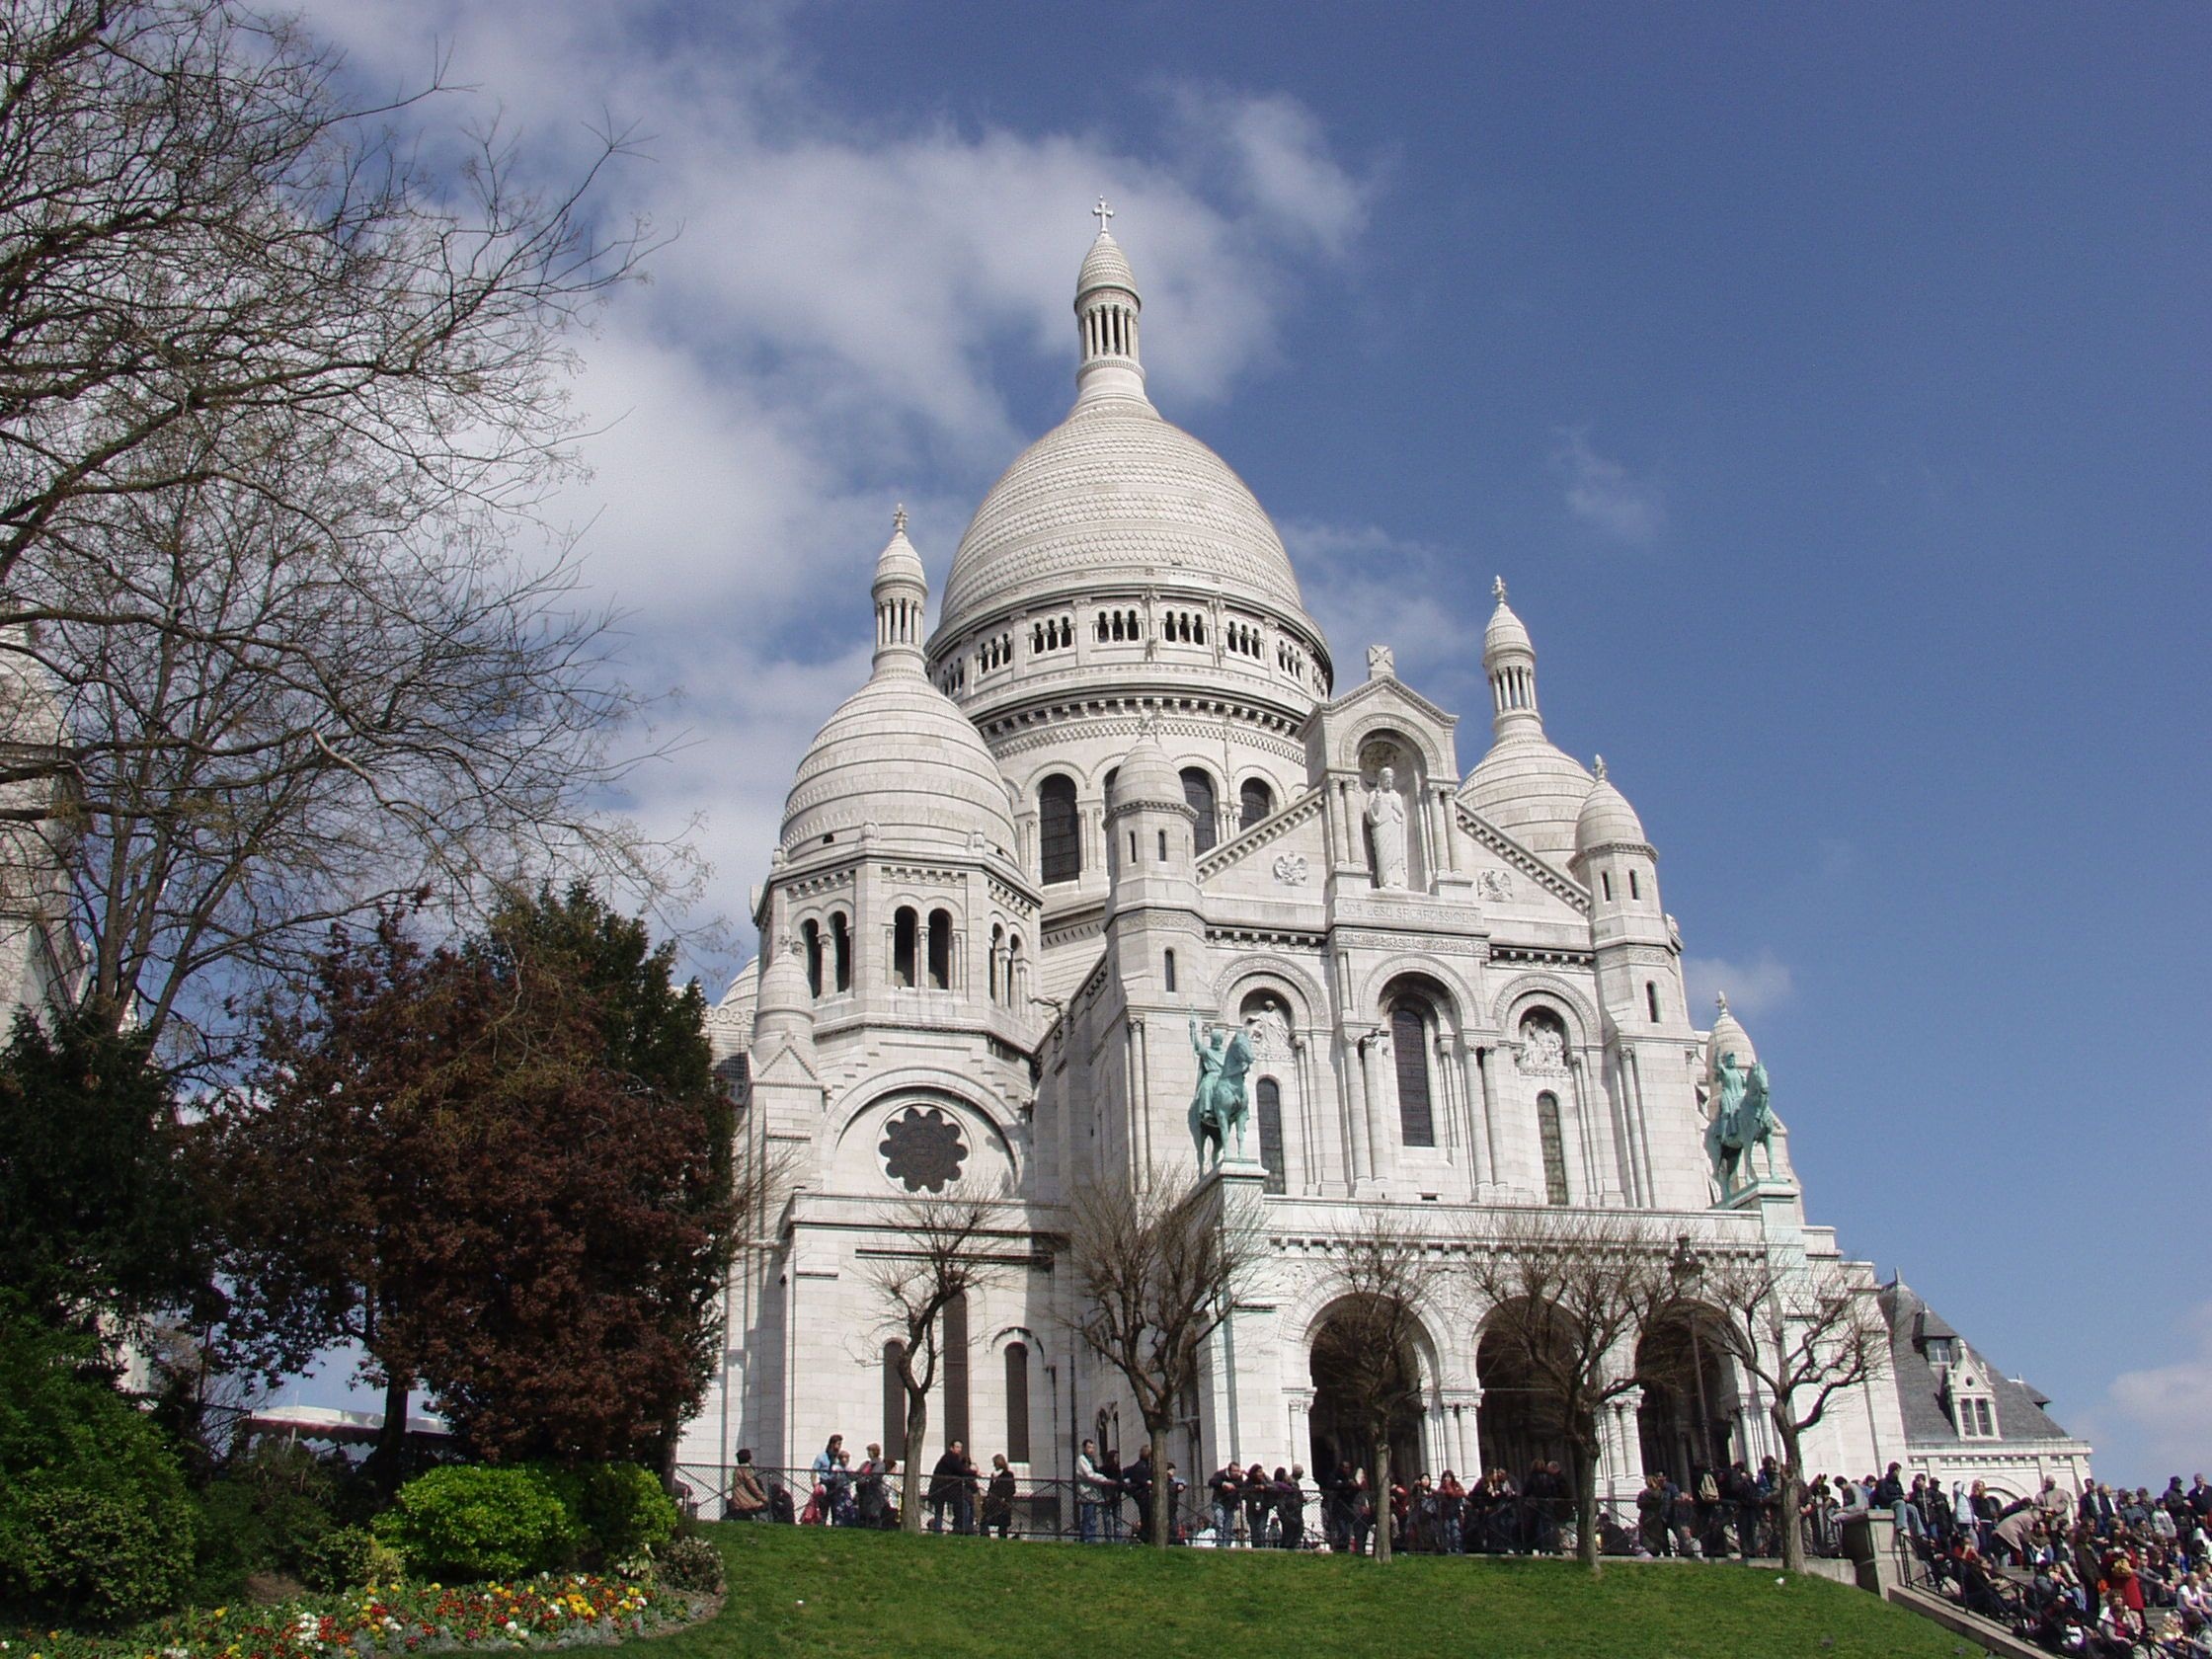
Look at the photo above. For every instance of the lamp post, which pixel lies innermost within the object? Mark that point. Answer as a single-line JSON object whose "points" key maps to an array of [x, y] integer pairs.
{"points": [[1685, 1266]]}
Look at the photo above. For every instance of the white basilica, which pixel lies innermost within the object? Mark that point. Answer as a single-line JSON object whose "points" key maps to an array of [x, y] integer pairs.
{"points": [[1120, 781]]}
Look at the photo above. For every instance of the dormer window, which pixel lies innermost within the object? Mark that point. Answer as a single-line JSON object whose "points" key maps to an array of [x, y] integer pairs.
{"points": [[1939, 1350]]}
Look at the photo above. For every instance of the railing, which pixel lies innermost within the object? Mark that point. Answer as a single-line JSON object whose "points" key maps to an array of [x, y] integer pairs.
{"points": [[1058, 1510]]}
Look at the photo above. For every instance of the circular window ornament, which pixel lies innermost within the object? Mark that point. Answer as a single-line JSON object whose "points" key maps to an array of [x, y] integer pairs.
{"points": [[922, 1149]]}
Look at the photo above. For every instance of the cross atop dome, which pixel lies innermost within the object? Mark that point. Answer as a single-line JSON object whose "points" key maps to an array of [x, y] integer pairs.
{"points": [[1102, 213], [1497, 588], [899, 518]]}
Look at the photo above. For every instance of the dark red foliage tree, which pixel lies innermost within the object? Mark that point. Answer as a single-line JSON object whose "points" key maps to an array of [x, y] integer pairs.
{"points": [[503, 1169]]}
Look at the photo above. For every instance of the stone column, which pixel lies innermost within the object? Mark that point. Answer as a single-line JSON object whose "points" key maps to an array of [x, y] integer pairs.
{"points": [[1352, 1070], [1485, 1057], [1596, 1118]]}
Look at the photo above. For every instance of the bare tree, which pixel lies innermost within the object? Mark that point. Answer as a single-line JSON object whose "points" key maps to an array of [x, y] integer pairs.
{"points": [[1380, 1281], [200, 228], [267, 728], [1565, 1295], [1805, 1332], [1157, 1269], [946, 1255], [274, 398]]}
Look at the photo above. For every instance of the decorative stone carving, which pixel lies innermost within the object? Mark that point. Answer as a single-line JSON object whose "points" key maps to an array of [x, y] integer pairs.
{"points": [[1496, 886], [1381, 663], [1290, 869], [922, 1148]]}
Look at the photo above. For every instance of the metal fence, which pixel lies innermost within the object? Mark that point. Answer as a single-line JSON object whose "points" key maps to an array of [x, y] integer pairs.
{"points": [[1056, 1510]]}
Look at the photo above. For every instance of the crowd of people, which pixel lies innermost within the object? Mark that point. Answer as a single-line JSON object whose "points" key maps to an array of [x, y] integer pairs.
{"points": [[2107, 1574]]}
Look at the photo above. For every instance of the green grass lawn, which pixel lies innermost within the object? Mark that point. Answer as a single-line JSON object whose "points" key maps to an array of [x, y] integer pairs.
{"points": [[807, 1590]]}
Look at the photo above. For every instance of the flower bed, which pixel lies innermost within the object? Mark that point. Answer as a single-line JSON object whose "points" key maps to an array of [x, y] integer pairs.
{"points": [[572, 1610]]}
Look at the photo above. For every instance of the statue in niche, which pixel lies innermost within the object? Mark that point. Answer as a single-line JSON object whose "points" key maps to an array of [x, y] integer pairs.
{"points": [[1544, 1045], [1269, 1029], [1386, 826], [1220, 1105], [1742, 1119]]}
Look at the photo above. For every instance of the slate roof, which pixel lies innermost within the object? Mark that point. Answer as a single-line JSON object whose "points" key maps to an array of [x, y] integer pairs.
{"points": [[1920, 1391]]}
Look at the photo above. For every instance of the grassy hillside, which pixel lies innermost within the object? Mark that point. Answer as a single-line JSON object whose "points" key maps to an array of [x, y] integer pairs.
{"points": [[806, 1591]]}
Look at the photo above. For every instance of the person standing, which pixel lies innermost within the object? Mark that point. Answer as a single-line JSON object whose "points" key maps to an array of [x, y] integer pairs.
{"points": [[746, 1500], [1094, 1493], [1289, 1506], [1227, 1484], [998, 1497], [873, 1490], [948, 1489], [1259, 1499]]}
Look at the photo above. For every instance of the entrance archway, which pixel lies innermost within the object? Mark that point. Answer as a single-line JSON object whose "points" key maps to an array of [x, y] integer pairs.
{"points": [[1344, 1377], [1521, 1419], [1686, 1420]]}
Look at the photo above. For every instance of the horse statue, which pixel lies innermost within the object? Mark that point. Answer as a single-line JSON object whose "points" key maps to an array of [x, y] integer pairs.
{"points": [[1742, 1119], [1220, 1106]]}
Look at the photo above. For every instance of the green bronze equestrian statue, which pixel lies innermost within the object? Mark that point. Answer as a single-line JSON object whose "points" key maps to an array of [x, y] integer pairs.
{"points": [[1220, 1105]]}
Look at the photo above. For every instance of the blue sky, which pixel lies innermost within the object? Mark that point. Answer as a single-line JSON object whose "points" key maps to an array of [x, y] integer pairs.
{"points": [[1833, 388]]}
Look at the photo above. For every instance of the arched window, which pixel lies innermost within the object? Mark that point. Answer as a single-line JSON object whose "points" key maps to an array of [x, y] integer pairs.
{"points": [[1060, 839], [1271, 1133], [997, 945], [1636, 887], [1409, 1044], [1554, 1147], [941, 950], [902, 927], [809, 935], [1017, 1402], [956, 1371], [840, 949], [1253, 803], [1605, 884], [1167, 970], [1198, 792], [1651, 999], [893, 1402], [1013, 970]]}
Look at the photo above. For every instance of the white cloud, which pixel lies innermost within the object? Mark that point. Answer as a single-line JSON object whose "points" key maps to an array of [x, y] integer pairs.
{"points": [[1751, 988], [1605, 495], [1422, 613], [2164, 1412], [833, 329]]}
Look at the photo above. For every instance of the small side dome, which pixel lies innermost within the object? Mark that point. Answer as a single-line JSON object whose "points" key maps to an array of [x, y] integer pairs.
{"points": [[1607, 819], [900, 757], [1147, 779], [1728, 1038], [1531, 790]]}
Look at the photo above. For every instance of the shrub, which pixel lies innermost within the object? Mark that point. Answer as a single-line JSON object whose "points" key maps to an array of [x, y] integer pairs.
{"points": [[95, 1522], [348, 1557], [464, 1523], [692, 1563], [620, 1509]]}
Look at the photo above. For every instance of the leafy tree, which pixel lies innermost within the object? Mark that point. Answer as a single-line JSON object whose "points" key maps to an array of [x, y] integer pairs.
{"points": [[100, 1216], [501, 1168], [95, 1520], [597, 1242]]}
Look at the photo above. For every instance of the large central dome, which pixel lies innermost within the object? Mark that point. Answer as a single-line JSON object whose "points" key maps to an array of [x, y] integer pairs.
{"points": [[1117, 495]]}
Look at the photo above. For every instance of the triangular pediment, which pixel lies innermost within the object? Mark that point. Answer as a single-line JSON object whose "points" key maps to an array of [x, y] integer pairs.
{"points": [[1526, 866]]}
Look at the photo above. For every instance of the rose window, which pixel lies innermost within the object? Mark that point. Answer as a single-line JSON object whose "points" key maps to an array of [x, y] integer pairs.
{"points": [[922, 1149]]}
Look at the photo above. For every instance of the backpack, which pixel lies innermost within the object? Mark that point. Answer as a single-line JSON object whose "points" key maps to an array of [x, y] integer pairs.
{"points": [[1708, 1490]]}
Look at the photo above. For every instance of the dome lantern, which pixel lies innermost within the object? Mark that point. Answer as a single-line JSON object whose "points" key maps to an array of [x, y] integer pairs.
{"points": [[1106, 310], [901, 593], [1526, 785]]}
